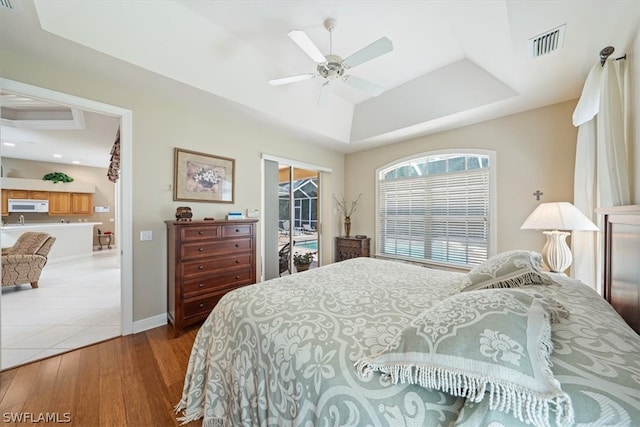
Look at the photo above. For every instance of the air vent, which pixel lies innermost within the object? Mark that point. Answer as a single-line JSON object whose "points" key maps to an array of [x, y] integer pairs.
{"points": [[547, 43], [8, 4]]}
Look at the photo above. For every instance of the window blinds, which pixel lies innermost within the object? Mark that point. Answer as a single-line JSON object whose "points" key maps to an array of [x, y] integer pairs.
{"points": [[441, 218]]}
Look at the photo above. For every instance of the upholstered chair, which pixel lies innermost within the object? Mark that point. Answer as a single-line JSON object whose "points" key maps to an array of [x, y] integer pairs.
{"points": [[24, 261]]}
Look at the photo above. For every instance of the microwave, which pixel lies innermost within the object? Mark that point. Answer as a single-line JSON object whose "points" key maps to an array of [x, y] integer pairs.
{"points": [[18, 205]]}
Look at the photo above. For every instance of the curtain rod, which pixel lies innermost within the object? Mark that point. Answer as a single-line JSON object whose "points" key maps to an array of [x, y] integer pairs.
{"points": [[606, 52]]}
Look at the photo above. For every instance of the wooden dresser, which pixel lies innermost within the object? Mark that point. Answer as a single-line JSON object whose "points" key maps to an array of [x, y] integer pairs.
{"points": [[205, 260], [351, 247]]}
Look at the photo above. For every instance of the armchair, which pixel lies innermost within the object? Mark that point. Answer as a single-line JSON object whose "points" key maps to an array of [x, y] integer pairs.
{"points": [[24, 261]]}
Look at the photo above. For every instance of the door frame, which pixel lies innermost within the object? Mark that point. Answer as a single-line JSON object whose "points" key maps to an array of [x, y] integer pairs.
{"points": [[123, 193]]}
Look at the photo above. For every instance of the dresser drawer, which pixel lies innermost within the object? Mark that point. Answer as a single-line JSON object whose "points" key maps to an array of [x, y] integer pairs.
{"points": [[201, 307], [209, 248], [350, 244], [199, 232], [219, 282], [207, 266], [241, 230]]}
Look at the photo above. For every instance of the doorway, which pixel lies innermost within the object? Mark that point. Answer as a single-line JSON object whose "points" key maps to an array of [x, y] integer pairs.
{"points": [[123, 199], [292, 203]]}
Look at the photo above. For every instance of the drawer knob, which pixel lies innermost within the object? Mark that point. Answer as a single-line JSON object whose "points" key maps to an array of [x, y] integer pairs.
{"points": [[237, 261], [237, 277], [201, 267], [201, 232], [237, 245], [237, 230], [201, 285], [201, 304], [201, 249]]}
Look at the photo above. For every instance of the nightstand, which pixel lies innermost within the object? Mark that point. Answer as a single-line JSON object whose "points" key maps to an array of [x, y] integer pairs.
{"points": [[351, 247]]}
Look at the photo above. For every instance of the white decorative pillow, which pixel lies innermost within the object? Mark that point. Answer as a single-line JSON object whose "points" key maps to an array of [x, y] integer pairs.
{"points": [[492, 344], [509, 269]]}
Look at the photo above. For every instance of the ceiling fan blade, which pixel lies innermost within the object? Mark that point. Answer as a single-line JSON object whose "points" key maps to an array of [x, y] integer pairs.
{"points": [[292, 79], [364, 85], [367, 53], [323, 97], [305, 43]]}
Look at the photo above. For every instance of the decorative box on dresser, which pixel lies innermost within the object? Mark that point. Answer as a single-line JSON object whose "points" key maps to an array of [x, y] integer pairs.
{"points": [[351, 247], [205, 260]]}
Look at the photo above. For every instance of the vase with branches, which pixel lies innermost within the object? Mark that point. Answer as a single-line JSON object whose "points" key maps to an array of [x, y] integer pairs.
{"points": [[347, 209]]}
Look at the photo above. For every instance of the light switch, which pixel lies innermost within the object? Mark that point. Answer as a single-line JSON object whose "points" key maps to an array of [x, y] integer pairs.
{"points": [[146, 235]]}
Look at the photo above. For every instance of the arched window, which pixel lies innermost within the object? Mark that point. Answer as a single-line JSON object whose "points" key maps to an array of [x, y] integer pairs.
{"points": [[436, 208]]}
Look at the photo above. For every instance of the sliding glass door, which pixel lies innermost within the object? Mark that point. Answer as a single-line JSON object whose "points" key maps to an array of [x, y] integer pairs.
{"points": [[291, 221]]}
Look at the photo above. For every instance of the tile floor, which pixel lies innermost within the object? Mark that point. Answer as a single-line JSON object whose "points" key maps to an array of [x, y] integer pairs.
{"points": [[76, 304]]}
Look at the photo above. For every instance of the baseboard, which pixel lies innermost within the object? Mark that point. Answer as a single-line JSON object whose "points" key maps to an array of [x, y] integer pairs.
{"points": [[149, 323]]}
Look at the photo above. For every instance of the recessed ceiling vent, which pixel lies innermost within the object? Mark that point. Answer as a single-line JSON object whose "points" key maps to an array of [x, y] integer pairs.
{"points": [[8, 4], [547, 43]]}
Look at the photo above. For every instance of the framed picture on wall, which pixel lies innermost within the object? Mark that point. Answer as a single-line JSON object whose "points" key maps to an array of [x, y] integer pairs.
{"points": [[201, 177]]}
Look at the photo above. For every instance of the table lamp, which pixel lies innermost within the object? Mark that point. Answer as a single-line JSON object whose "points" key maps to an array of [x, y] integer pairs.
{"points": [[554, 217]]}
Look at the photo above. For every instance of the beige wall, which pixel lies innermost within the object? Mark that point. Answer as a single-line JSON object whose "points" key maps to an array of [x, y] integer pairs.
{"points": [[104, 195], [185, 119], [634, 148], [535, 151]]}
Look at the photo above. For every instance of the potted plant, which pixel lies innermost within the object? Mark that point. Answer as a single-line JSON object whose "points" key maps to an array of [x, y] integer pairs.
{"points": [[302, 261], [57, 177]]}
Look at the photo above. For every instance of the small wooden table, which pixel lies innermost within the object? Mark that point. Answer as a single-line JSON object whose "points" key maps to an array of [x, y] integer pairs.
{"points": [[104, 236], [351, 247]]}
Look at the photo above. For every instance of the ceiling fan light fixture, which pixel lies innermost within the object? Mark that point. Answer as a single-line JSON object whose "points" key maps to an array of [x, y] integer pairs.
{"points": [[333, 67]]}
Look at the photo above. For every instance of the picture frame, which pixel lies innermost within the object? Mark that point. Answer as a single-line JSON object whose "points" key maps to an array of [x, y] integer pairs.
{"points": [[201, 177]]}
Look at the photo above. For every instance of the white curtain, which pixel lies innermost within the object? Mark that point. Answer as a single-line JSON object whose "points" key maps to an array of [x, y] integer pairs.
{"points": [[602, 169]]}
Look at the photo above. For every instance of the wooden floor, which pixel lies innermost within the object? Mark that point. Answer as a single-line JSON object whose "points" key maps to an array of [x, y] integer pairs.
{"points": [[134, 380]]}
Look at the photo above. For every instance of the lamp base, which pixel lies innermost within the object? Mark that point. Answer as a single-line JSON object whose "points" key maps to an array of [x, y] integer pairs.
{"points": [[556, 252]]}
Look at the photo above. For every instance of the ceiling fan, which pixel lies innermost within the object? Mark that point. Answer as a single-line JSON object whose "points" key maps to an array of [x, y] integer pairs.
{"points": [[332, 67]]}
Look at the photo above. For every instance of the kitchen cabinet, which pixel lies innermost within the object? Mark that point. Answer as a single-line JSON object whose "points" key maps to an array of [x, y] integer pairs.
{"points": [[27, 194], [62, 203], [59, 203], [82, 203], [5, 203]]}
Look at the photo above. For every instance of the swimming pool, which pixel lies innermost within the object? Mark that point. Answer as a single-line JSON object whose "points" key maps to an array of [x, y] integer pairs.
{"points": [[309, 244]]}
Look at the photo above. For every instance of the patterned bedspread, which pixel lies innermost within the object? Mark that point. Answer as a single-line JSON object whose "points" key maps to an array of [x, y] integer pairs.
{"points": [[282, 353]]}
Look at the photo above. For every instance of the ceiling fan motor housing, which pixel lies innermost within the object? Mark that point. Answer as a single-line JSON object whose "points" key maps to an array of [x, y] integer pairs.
{"points": [[333, 68]]}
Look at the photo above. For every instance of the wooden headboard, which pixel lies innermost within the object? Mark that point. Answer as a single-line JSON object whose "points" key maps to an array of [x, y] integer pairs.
{"points": [[621, 270]]}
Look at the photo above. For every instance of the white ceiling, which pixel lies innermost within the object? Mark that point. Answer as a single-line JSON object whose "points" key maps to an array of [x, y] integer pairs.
{"points": [[42, 131], [454, 62]]}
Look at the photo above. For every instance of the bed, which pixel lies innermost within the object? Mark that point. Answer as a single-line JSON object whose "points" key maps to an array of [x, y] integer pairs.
{"points": [[369, 342]]}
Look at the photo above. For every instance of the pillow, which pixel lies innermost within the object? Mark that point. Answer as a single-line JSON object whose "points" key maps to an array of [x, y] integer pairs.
{"points": [[493, 344], [507, 270]]}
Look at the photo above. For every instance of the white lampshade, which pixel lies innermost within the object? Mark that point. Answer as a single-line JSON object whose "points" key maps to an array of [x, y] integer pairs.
{"points": [[555, 217], [558, 216]]}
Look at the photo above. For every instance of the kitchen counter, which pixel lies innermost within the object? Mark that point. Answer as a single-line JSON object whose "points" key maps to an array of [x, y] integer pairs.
{"points": [[74, 240]]}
